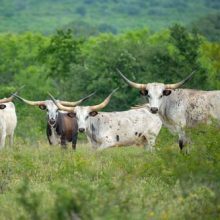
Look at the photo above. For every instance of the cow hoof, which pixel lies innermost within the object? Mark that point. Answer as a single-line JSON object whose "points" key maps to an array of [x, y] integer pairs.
{"points": [[185, 150], [149, 149], [74, 146], [181, 145]]}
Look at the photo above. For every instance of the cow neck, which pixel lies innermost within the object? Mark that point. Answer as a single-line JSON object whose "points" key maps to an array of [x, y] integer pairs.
{"points": [[162, 109]]}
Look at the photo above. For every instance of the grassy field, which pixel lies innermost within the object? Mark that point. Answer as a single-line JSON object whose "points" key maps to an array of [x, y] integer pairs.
{"points": [[118, 183]]}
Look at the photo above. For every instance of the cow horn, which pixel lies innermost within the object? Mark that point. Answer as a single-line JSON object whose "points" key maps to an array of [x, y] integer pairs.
{"points": [[73, 104], [60, 106], [5, 100], [104, 103], [179, 84], [35, 103], [132, 84]]}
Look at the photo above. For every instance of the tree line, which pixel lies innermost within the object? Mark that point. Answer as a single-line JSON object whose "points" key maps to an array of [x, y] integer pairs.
{"points": [[71, 67]]}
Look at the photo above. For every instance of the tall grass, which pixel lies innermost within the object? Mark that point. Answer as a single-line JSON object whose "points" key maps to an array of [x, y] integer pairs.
{"points": [[118, 183]]}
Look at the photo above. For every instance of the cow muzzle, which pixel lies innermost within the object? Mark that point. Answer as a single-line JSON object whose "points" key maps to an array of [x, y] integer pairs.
{"points": [[154, 110], [81, 130], [52, 122]]}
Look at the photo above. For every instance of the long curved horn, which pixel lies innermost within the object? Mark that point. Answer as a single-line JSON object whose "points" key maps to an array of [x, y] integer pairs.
{"points": [[132, 84], [35, 103], [60, 106], [179, 84], [73, 104], [104, 103], [5, 100]]}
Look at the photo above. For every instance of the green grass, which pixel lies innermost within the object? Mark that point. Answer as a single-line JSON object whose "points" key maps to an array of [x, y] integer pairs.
{"points": [[118, 183]]}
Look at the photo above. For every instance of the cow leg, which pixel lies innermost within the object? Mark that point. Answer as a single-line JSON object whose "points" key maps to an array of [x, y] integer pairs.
{"points": [[49, 133], [74, 140], [63, 142], [2, 140], [11, 139], [183, 143], [149, 146]]}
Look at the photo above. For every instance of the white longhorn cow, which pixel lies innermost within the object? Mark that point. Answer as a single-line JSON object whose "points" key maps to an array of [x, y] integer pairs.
{"points": [[8, 121], [179, 108], [108, 129]]}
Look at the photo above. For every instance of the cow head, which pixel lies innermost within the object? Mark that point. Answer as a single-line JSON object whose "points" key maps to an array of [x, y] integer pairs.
{"points": [[155, 92], [51, 109], [52, 112], [83, 113]]}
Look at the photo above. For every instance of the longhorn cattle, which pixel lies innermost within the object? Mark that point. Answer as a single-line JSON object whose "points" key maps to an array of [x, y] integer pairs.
{"points": [[61, 127], [8, 121], [179, 108], [108, 129]]}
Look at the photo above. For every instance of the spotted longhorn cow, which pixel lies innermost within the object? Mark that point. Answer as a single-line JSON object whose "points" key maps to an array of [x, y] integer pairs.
{"points": [[8, 121], [109, 129], [179, 108], [61, 126]]}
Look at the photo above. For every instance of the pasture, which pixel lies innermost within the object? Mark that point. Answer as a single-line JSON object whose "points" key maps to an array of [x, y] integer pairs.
{"points": [[47, 182], [74, 48]]}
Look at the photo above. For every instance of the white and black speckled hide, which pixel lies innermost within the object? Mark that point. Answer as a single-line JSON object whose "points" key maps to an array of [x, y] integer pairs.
{"points": [[187, 108], [132, 127]]}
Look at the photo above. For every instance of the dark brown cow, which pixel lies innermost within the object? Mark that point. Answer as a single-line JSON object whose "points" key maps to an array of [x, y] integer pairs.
{"points": [[61, 126]]}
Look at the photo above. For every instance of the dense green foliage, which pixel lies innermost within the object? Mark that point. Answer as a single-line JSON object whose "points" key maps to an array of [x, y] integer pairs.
{"points": [[71, 67], [93, 16], [119, 183]]}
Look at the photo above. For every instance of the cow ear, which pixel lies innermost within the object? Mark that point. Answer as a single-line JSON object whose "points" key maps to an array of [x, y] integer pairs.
{"points": [[144, 92], [167, 92], [2, 106], [71, 114], [42, 107], [93, 113]]}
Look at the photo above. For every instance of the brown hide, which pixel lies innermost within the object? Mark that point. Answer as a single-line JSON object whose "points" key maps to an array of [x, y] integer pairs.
{"points": [[69, 126], [66, 127]]}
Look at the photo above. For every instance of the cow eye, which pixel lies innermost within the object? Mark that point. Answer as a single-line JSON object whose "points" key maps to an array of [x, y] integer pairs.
{"points": [[71, 114], [2, 106], [42, 107], [144, 92], [93, 114], [167, 92]]}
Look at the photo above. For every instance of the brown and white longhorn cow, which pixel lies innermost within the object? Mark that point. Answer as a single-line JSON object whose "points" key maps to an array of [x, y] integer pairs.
{"points": [[179, 108], [8, 121], [61, 126]]}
